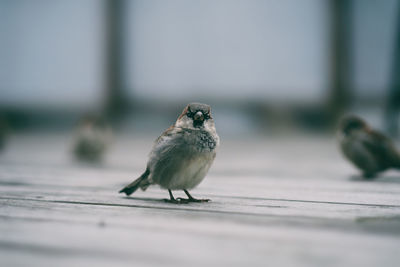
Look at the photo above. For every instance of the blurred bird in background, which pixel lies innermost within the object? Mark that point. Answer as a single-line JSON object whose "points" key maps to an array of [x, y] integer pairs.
{"points": [[92, 139], [182, 155], [369, 150], [3, 132]]}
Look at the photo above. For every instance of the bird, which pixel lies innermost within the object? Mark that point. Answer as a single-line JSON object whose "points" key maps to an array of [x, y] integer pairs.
{"points": [[368, 149], [4, 131], [182, 155], [92, 139]]}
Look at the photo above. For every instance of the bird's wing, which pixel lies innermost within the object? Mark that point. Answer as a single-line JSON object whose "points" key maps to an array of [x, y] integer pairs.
{"points": [[167, 141], [356, 151], [167, 133], [382, 148], [169, 154]]}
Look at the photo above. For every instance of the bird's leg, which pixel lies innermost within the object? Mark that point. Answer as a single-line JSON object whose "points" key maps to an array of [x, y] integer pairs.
{"points": [[175, 201], [192, 199]]}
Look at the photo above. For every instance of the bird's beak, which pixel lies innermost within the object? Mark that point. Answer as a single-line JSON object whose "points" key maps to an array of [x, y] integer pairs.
{"points": [[198, 116]]}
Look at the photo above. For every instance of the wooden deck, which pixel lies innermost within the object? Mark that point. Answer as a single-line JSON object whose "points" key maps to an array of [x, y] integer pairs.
{"points": [[275, 202]]}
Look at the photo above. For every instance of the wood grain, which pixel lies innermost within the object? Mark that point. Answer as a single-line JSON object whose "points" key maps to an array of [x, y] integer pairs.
{"points": [[275, 201]]}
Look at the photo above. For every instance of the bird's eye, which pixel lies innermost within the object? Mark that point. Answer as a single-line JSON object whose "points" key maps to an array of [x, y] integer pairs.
{"points": [[206, 116], [189, 114]]}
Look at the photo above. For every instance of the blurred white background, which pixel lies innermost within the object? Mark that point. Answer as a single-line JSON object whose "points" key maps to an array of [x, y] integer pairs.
{"points": [[55, 54]]}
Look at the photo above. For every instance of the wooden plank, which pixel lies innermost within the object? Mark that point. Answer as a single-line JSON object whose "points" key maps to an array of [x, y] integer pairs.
{"points": [[188, 239], [54, 211]]}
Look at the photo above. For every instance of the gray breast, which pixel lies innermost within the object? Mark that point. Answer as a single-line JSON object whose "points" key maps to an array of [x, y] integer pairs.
{"points": [[205, 140], [201, 141]]}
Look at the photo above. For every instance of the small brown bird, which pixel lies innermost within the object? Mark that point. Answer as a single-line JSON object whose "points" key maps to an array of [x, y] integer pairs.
{"points": [[92, 139], [368, 149], [4, 131], [182, 155]]}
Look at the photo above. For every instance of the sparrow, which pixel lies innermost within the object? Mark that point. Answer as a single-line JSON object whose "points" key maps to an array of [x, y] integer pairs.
{"points": [[182, 155], [4, 132], [369, 150], [92, 139]]}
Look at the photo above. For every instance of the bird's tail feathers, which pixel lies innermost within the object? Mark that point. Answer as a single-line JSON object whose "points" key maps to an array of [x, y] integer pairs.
{"points": [[142, 182]]}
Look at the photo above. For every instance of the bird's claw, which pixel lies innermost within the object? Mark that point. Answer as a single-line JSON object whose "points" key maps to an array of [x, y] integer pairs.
{"points": [[181, 200], [194, 200]]}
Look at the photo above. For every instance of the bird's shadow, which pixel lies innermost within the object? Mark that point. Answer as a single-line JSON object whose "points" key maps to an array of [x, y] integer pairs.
{"points": [[163, 200], [390, 178], [160, 200], [361, 178]]}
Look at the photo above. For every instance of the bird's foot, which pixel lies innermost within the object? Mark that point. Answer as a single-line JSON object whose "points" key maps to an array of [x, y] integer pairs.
{"points": [[193, 200]]}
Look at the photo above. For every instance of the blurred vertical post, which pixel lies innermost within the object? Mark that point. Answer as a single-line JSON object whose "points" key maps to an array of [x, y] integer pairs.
{"points": [[340, 92], [393, 101], [114, 86]]}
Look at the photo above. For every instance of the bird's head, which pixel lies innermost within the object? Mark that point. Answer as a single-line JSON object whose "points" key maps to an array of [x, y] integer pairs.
{"points": [[352, 123], [195, 116]]}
